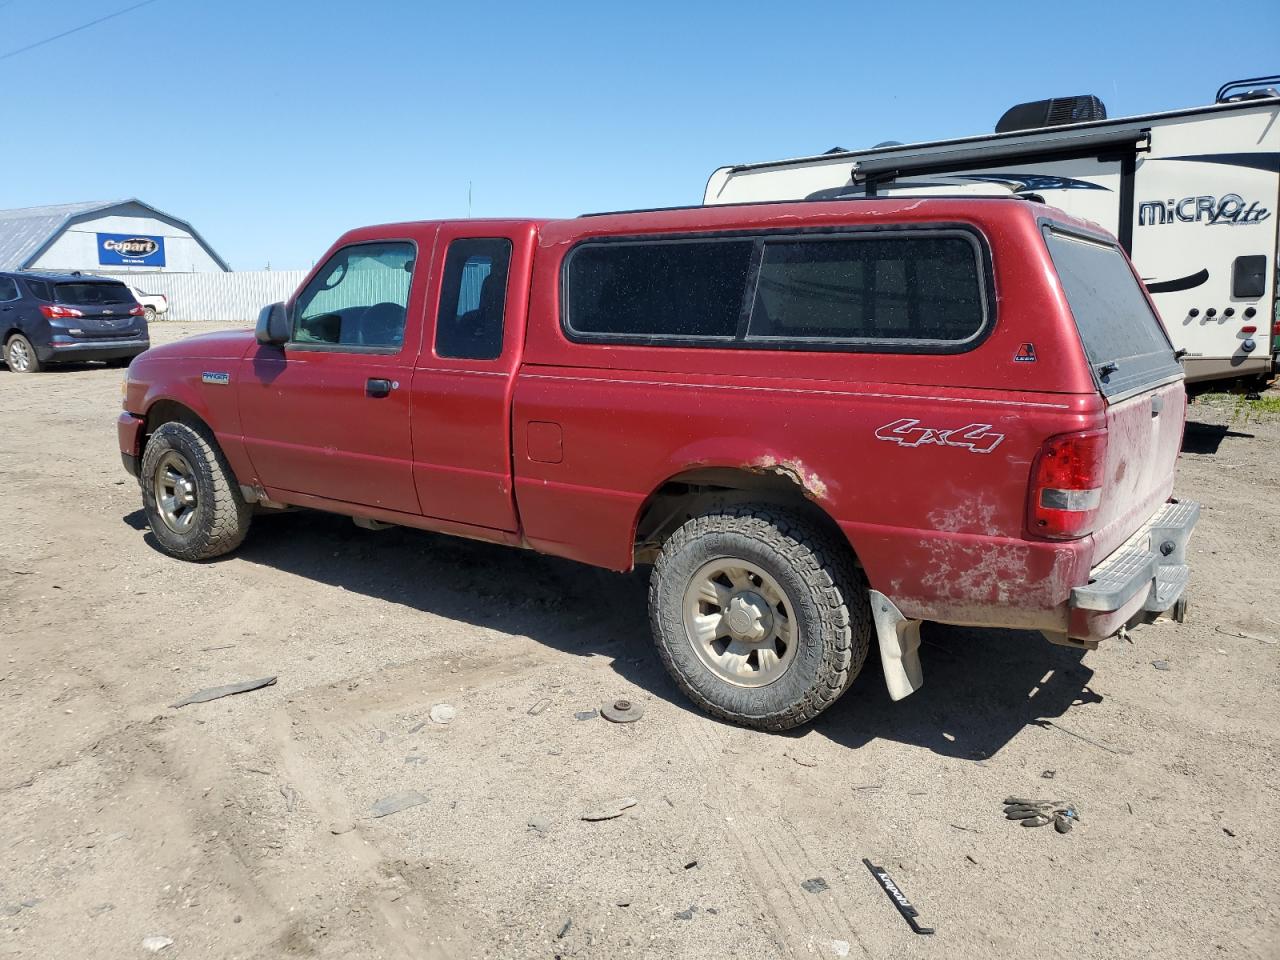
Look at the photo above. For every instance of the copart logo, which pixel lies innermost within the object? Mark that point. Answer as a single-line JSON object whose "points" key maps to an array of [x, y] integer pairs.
{"points": [[1231, 208], [133, 247], [975, 437]]}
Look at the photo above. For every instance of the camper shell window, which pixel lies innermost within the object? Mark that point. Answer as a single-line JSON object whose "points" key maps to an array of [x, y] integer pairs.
{"points": [[923, 290], [1127, 347]]}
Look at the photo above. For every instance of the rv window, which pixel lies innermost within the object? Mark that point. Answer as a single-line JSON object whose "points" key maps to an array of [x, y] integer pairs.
{"points": [[922, 289], [1123, 338], [661, 289]]}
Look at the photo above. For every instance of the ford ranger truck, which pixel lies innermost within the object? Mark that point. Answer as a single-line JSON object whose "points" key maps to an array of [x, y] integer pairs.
{"points": [[818, 423]]}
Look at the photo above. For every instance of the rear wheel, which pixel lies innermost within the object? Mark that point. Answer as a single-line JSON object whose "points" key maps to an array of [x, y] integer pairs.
{"points": [[189, 494], [20, 355], [761, 617], [149, 314]]}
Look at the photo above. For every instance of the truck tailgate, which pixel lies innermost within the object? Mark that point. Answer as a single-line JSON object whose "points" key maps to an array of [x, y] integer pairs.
{"points": [[1144, 435]]}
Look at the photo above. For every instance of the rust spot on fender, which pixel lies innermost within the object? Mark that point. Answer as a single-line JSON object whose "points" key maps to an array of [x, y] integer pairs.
{"points": [[813, 486]]}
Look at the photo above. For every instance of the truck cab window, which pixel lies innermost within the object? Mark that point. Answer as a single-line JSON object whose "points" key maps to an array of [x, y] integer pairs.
{"points": [[473, 299], [358, 298]]}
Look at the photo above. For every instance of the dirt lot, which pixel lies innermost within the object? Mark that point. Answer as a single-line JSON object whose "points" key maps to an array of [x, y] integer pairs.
{"points": [[240, 828]]}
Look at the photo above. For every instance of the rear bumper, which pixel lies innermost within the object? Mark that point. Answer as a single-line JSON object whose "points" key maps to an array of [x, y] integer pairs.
{"points": [[78, 350], [1143, 578]]}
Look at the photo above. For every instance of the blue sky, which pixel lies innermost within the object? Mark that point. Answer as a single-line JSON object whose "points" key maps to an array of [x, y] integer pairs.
{"points": [[274, 126]]}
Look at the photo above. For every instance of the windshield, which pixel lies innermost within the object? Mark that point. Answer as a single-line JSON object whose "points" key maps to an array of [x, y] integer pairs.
{"points": [[91, 293]]}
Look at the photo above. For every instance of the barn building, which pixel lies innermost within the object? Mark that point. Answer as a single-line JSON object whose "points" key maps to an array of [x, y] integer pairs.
{"points": [[118, 237]]}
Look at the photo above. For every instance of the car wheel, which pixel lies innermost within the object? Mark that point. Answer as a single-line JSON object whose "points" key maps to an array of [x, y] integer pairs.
{"points": [[20, 355], [761, 617], [192, 501], [149, 314]]}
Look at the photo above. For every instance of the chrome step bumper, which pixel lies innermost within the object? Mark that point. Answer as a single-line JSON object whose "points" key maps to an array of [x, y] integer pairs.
{"points": [[1152, 561]]}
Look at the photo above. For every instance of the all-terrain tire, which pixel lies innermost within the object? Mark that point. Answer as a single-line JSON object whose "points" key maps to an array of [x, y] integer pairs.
{"points": [[826, 590], [221, 516], [20, 355]]}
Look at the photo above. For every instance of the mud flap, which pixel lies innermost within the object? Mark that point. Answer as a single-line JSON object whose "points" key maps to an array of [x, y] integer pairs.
{"points": [[899, 647]]}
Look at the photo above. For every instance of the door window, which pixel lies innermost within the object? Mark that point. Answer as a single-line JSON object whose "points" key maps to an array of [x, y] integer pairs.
{"points": [[358, 298], [473, 299]]}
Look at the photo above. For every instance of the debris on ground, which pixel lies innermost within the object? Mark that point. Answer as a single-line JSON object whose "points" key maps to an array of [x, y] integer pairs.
{"points": [[443, 713], [802, 761], [622, 711], [339, 827], [686, 914], [1229, 833], [539, 707], [290, 797], [417, 726], [1049, 774], [815, 885], [1244, 635], [156, 944], [101, 909], [586, 715], [1160, 664], [397, 802], [540, 823], [840, 948], [898, 898], [214, 693], [565, 929], [10, 910], [1038, 813], [1118, 751], [610, 811]]}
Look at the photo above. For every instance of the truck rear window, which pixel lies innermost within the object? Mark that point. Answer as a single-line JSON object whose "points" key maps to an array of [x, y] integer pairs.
{"points": [[91, 293], [1123, 339]]}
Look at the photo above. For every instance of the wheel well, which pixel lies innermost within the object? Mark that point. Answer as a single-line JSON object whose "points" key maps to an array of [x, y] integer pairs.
{"points": [[696, 492], [9, 333], [169, 411]]}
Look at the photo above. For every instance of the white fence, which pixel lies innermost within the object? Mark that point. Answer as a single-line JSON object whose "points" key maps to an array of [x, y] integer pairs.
{"points": [[235, 296]]}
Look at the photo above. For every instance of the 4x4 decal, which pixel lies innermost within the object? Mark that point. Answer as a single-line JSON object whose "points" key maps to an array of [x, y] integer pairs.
{"points": [[975, 437]]}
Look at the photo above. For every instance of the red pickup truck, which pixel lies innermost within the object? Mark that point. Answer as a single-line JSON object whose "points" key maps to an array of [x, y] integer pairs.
{"points": [[819, 422]]}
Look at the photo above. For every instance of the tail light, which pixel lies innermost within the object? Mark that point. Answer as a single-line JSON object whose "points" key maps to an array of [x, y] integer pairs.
{"points": [[54, 312], [136, 310], [1066, 485]]}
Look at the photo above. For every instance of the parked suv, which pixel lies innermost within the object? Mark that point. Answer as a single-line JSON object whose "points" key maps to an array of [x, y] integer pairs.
{"points": [[47, 318], [820, 423]]}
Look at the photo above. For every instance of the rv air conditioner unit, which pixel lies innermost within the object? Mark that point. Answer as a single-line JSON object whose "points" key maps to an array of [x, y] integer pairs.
{"points": [[1052, 113]]}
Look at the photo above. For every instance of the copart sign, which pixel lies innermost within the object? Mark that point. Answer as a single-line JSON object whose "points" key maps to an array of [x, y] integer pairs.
{"points": [[134, 250]]}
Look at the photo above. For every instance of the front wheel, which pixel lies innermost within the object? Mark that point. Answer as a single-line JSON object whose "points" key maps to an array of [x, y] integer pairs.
{"points": [[20, 355], [191, 498], [760, 616]]}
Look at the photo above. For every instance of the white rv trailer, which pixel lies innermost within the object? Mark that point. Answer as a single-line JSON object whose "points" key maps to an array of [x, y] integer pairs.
{"points": [[1191, 194]]}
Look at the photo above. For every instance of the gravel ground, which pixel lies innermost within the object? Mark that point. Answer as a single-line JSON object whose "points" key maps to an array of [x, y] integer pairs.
{"points": [[243, 827]]}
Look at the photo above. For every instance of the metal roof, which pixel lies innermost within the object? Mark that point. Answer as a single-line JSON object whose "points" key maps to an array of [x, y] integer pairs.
{"points": [[27, 231]]}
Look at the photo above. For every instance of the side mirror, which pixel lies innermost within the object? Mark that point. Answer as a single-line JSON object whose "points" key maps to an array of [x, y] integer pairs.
{"points": [[273, 325]]}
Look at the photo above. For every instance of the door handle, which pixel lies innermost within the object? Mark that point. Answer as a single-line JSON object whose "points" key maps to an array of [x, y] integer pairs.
{"points": [[377, 387]]}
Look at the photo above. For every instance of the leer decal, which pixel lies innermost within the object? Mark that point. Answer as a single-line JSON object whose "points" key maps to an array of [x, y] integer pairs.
{"points": [[975, 437]]}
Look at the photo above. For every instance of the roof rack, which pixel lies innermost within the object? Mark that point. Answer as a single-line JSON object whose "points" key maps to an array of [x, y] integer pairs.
{"points": [[1243, 85]]}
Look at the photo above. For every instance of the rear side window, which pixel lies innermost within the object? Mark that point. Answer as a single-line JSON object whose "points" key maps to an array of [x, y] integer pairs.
{"points": [[473, 299], [657, 289], [8, 289], [912, 290], [1123, 339], [39, 289], [92, 293], [899, 288]]}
